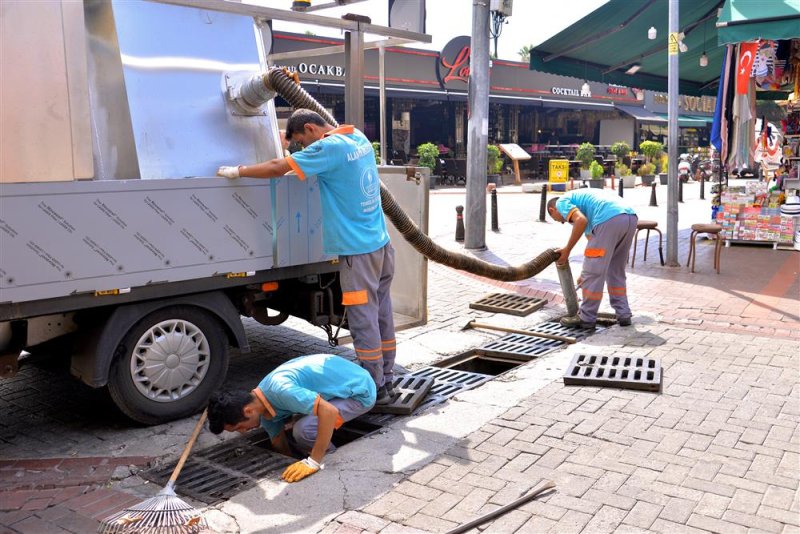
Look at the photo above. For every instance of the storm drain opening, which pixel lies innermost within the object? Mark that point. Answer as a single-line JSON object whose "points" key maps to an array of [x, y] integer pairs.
{"points": [[353, 430], [509, 303], [477, 362]]}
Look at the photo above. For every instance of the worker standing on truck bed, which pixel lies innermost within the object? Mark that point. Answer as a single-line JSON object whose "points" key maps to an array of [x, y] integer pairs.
{"points": [[609, 224], [327, 390], [353, 228]]}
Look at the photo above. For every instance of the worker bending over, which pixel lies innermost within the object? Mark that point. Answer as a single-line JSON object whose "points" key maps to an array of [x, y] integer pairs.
{"points": [[609, 224], [353, 229], [326, 390]]}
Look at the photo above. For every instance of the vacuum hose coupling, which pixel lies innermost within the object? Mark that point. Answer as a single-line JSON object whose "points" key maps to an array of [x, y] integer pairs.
{"points": [[568, 288]]}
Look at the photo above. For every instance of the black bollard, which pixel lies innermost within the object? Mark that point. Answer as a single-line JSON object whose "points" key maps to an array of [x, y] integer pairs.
{"points": [[680, 190], [702, 186], [620, 187], [460, 224], [653, 201], [543, 204], [495, 223]]}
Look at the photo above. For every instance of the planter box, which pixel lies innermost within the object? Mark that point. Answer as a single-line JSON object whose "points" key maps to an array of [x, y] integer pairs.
{"points": [[598, 183], [493, 179], [648, 179], [628, 181], [663, 178]]}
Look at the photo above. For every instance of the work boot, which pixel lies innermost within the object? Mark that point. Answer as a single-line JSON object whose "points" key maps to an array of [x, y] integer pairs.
{"points": [[624, 321], [574, 321], [385, 396]]}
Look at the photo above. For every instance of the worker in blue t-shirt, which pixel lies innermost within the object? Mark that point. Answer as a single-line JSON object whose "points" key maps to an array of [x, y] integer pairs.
{"points": [[326, 390], [609, 223], [353, 228]]}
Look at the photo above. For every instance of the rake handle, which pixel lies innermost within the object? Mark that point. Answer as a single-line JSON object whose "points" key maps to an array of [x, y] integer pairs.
{"points": [[565, 339], [186, 450]]}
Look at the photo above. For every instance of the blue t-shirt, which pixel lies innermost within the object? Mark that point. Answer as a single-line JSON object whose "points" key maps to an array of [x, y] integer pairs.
{"points": [[597, 206], [344, 162], [293, 387]]}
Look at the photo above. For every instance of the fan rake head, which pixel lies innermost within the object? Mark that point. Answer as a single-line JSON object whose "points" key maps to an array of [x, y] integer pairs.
{"points": [[165, 513]]}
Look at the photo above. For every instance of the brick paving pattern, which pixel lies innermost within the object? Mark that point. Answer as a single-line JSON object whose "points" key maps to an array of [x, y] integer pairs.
{"points": [[717, 450]]}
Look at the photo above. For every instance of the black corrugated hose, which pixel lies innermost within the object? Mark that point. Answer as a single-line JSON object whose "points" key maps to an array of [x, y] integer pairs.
{"points": [[279, 81]]}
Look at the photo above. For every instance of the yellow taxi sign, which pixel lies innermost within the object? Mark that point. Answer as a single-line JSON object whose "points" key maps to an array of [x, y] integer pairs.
{"points": [[559, 170]]}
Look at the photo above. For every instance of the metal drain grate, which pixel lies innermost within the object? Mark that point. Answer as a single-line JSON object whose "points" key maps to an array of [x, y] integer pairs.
{"points": [[509, 303], [521, 347], [220, 472], [628, 372], [557, 328], [448, 382], [409, 392]]}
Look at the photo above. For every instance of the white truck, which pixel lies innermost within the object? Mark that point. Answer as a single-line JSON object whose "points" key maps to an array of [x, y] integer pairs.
{"points": [[118, 245]]}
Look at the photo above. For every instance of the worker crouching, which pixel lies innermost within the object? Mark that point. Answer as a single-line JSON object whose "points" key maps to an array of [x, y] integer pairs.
{"points": [[325, 390]]}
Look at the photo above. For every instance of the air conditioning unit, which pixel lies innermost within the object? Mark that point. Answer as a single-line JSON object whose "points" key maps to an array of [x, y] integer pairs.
{"points": [[501, 6]]}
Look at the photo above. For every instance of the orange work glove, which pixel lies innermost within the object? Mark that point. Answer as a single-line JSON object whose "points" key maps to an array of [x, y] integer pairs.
{"points": [[300, 470]]}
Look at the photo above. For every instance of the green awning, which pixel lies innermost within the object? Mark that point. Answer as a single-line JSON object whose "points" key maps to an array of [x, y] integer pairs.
{"points": [[747, 20], [690, 121], [607, 42]]}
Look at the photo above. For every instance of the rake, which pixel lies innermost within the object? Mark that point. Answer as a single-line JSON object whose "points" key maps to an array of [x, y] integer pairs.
{"points": [[165, 513]]}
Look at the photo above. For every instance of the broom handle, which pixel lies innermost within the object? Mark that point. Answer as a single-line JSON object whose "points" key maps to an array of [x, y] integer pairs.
{"points": [[197, 428]]}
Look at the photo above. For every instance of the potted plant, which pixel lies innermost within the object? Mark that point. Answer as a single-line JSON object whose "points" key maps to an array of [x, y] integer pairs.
{"points": [[585, 155], [664, 169], [597, 181], [494, 164], [647, 172], [376, 148], [624, 174], [620, 149], [428, 152]]}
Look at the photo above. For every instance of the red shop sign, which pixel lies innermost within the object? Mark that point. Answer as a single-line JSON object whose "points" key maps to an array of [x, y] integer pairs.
{"points": [[452, 66]]}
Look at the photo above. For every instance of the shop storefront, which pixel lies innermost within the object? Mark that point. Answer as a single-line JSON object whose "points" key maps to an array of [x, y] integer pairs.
{"points": [[427, 99]]}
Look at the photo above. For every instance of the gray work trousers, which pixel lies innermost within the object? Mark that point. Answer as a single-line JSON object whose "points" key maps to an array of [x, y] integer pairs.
{"points": [[366, 281], [304, 431], [604, 263]]}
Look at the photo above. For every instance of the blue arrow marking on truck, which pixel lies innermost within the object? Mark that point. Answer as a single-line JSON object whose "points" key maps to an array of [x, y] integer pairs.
{"points": [[298, 221]]}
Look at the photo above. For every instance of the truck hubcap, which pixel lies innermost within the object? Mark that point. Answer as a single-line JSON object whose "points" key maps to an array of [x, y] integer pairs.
{"points": [[170, 360]]}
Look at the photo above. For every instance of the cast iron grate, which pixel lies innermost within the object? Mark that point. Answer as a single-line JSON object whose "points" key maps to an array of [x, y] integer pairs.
{"points": [[509, 303], [521, 347], [554, 327], [627, 372], [409, 391], [447, 383], [217, 473]]}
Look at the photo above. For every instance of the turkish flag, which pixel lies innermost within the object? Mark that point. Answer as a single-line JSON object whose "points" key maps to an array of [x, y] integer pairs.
{"points": [[747, 54]]}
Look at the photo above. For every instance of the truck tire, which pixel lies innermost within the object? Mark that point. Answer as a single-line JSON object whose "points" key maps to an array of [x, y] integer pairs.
{"points": [[168, 364]]}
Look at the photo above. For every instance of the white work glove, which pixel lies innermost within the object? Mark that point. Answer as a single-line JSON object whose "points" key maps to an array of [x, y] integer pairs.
{"points": [[228, 172]]}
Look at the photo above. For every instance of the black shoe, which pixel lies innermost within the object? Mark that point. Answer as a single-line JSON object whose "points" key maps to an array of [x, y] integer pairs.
{"points": [[574, 321], [385, 396], [624, 321]]}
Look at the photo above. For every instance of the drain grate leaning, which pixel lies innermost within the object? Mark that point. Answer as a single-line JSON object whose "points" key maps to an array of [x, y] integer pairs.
{"points": [[628, 372], [409, 391], [217, 473], [509, 303], [521, 347]]}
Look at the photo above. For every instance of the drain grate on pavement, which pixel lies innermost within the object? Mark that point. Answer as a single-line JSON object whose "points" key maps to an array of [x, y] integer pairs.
{"points": [[627, 372], [521, 347], [447, 383], [554, 327], [217, 473], [409, 392], [509, 303]]}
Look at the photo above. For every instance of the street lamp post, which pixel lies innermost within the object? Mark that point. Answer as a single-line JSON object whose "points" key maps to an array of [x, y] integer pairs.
{"points": [[478, 127], [672, 133]]}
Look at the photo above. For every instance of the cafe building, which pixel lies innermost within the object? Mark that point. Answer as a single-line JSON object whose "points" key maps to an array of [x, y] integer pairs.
{"points": [[426, 101]]}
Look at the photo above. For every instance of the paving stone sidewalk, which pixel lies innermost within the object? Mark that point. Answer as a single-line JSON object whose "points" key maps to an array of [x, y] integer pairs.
{"points": [[718, 450]]}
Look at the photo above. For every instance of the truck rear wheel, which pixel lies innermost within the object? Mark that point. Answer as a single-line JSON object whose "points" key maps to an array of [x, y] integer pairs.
{"points": [[168, 364]]}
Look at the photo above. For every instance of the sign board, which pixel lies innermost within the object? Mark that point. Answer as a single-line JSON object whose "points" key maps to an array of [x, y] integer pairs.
{"points": [[559, 170], [515, 152]]}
